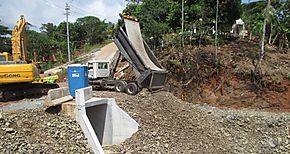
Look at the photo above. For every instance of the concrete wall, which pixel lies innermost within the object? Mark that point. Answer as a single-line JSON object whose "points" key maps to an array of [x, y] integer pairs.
{"points": [[57, 96], [103, 122]]}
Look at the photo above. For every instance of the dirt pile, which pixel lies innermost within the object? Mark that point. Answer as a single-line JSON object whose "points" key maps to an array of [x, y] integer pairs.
{"points": [[170, 125], [35, 131], [194, 76]]}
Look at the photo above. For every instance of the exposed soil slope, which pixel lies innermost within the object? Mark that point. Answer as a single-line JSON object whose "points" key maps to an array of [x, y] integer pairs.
{"points": [[193, 76]]}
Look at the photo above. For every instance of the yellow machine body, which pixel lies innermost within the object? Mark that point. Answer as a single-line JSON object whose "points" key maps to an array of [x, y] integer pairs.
{"points": [[3, 56], [19, 77], [18, 73], [19, 41]]}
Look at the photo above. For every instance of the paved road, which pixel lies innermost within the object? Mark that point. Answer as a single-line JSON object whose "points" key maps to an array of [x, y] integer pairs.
{"points": [[108, 52]]}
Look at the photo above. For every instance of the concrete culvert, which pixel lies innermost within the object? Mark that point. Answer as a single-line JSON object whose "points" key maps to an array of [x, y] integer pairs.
{"points": [[102, 121]]}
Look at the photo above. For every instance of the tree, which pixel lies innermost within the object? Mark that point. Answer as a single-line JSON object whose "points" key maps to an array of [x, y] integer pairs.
{"points": [[262, 53], [91, 29], [5, 41], [158, 18], [153, 18], [278, 25]]}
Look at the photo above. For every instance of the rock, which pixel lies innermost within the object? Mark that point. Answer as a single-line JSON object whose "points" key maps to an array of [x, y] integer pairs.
{"points": [[166, 145], [272, 142], [48, 124], [34, 132]]}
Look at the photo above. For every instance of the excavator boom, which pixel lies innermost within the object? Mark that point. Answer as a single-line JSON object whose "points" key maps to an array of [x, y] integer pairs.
{"points": [[18, 77], [19, 41]]}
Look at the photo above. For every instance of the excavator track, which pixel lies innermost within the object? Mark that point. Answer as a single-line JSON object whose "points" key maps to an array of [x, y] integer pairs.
{"points": [[11, 92]]}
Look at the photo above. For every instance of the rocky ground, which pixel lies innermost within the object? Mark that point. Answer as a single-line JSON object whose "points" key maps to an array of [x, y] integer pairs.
{"points": [[201, 111], [35, 131], [170, 125], [167, 125]]}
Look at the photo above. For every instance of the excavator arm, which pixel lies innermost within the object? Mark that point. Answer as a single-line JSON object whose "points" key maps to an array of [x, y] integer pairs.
{"points": [[19, 41]]}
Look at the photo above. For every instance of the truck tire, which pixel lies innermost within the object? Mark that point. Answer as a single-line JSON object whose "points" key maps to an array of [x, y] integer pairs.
{"points": [[120, 86], [131, 88], [102, 85]]}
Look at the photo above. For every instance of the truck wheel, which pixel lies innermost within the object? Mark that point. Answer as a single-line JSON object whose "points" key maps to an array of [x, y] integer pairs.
{"points": [[103, 85], [120, 86], [131, 88]]}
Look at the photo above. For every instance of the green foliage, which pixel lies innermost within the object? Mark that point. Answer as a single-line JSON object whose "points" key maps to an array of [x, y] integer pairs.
{"points": [[91, 29], [163, 17], [5, 42], [86, 31], [278, 25], [174, 62]]}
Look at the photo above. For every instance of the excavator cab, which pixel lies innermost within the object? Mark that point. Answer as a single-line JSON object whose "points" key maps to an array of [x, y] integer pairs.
{"points": [[3, 57]]}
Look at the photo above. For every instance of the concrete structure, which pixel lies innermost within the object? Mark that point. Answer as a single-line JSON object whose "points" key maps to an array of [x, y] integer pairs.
{"points": [[102, 121], [238, 29], [57, 96], [69, 108]]}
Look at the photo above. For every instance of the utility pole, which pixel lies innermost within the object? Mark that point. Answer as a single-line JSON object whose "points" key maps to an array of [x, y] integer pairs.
{"points": [[262, 53], [67, 8], [182, 21], [216, 29]]}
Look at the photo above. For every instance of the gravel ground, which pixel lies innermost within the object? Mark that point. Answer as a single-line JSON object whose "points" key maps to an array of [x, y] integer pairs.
{"points": [[169, 125], [35, 131], [22, 104]]}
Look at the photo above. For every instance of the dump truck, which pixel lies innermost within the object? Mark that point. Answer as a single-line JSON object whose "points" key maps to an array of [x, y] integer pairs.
{"points": [[130, 44], [18, 76]]}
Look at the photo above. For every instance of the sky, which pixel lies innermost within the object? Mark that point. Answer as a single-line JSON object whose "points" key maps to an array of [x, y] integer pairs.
{"points": [[249, 1], [37, 12]]}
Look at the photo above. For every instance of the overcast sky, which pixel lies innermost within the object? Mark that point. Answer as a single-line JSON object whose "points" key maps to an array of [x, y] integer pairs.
{"points": [[249, 1], [43, 11]]}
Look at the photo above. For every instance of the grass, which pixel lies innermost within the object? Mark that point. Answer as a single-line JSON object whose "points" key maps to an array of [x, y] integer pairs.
{"points": [[87, 48]]}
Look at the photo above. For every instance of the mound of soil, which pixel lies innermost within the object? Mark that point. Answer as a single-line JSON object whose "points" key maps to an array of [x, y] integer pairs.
{"points": [[170, 125], [195, 76]]}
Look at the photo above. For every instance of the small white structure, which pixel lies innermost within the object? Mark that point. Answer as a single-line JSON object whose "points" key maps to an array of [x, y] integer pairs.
{"points": [[102, 121], [238, 29]]}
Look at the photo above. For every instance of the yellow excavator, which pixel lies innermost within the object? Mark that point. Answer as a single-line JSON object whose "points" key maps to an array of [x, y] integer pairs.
{"points": [[3, 56], [19, 77]]}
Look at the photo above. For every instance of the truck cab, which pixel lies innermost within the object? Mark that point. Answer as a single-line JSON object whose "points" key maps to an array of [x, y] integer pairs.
{"points": [[98, 69]]}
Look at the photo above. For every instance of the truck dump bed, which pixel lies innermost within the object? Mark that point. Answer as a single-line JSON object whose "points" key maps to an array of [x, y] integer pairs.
{"points": [[131, 45]]}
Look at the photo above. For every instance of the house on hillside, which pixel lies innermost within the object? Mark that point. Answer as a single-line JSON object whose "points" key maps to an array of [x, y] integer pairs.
{"points": [[238, 29]]}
